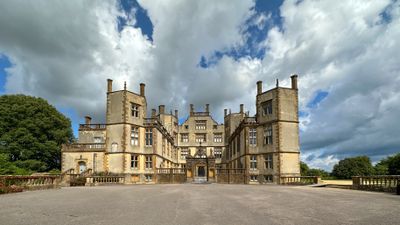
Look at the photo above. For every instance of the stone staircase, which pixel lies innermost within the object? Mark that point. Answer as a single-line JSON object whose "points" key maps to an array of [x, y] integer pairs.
{"points": [[200, 180]]}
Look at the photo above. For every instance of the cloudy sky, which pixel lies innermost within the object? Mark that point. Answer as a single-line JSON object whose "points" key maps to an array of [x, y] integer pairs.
{"points": [[345, 52]]}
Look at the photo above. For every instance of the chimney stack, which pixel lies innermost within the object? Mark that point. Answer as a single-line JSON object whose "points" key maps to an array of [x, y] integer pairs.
{"points": [[294, 81], [241, 108], [109, 85], [176, 113], [161, 109], [207, 107], [153, 113], [259, 87], [88, 120], [125, 85], [225, 112], [191, 109], [142, 89]]}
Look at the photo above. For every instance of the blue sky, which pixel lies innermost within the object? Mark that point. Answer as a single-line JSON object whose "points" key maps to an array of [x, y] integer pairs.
{"points": [[345, 54]]}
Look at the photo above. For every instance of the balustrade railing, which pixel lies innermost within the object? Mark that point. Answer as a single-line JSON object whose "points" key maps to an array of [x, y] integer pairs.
{"points": [[92, 126], [249, 120], [85, 146], [105, 180], [299, 180], [201, 113], [30, 182], [387, 183]]}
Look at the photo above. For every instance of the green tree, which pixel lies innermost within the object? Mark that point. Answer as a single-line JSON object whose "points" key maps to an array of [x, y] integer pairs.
{"points": [[356, 166], [394, 164], [303, 168], [32, 132]]}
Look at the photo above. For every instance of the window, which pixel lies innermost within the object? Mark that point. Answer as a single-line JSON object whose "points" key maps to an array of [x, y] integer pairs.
{"points": [[134, 161], [186, 126], [218, 153], [135, 136], [201, 124], [149, 136], [268, 135], [200, 137], [253, 178], [148, 177], [134, 110], [215, 126], [98, 140], [218, 137], [184, 137], [268, 161], [253, 136], [149, 162], [267, 107], [114, 147], [253, 162], [184, 153], [238, 143], [268, 178]]}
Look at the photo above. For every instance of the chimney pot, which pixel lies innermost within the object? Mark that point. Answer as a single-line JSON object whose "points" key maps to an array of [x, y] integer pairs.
{"points": [[161, 109], [259, 87], [191, 109], [109, 85], [88, 120], [294, 81], [142, 86]]}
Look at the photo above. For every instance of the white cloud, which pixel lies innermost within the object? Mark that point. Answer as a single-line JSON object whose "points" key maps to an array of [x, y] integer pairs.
{"points": [[64, 51]]}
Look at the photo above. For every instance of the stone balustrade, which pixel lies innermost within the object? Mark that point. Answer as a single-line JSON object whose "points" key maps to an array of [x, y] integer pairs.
{"points": [[84, 147], [31, 182], [96, 180], [299, 180], [385, 183], [92, 126]]}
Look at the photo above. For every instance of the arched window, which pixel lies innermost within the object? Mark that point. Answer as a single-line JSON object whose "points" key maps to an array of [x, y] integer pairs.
{"points": [[114, 147]]}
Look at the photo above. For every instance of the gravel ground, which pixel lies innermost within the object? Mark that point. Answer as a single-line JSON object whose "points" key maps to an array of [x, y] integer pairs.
{"points": [[199, 204]]}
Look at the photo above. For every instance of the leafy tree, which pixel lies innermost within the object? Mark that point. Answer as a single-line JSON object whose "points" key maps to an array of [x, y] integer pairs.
{"points": [[303, 168], [394, 164], [356, 166], [7, 167], [31, 132]]}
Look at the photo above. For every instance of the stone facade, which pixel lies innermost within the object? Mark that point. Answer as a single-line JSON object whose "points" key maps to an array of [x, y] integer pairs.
{"points": [[263, 148]]}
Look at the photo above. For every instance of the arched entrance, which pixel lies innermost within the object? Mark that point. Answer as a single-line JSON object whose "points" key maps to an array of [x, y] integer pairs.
{"points": [[201, 172], [82, 166]]}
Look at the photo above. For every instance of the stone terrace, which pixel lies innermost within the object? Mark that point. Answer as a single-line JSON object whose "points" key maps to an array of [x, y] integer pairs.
{"points": [[199, 204]]}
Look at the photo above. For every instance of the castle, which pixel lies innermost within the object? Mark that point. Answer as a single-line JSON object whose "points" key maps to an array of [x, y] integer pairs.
{"points": [[263, 148]]}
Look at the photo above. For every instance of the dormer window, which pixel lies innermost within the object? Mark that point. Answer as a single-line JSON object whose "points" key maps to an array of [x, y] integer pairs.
{"points": [[134, 110]]}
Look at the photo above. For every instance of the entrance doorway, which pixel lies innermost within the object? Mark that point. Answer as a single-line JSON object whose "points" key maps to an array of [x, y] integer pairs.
{"points": [[201, 172], [82, 167]]}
